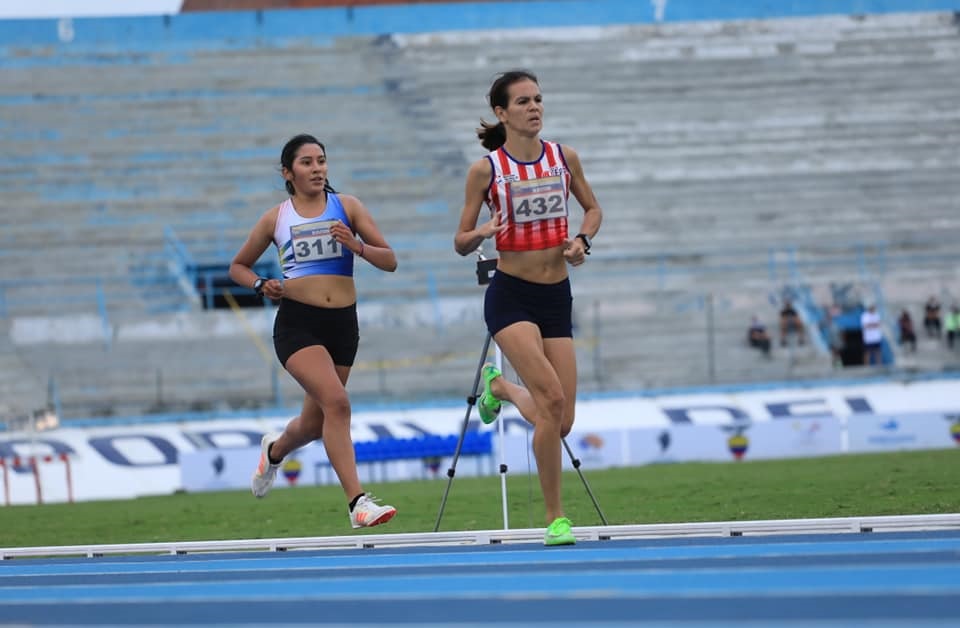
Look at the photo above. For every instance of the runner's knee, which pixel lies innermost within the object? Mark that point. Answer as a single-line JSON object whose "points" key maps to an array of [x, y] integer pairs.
{"points": [[551, 402], [337, 406]]}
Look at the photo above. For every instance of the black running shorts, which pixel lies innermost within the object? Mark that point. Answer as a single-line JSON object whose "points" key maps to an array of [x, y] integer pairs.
{"points": [[298, 325], [511, 300]]}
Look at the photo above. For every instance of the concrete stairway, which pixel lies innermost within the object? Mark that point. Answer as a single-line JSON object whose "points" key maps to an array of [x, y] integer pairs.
{"points": [[730, 158]]}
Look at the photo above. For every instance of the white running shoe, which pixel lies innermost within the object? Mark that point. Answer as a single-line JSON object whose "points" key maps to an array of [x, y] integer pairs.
{"points": [[368, 513], [266, 473]]}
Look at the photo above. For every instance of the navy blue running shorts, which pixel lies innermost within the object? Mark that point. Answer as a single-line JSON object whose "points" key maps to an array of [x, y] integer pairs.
{"points": [[511, 300], [298, 325]]}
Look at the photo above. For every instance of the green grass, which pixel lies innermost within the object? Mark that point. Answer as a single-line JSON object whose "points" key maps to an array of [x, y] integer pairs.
{"points": [[919, 482]]}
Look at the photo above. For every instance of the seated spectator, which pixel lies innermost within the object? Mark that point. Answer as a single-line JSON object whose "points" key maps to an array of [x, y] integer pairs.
{"points": [[931, 317], [908, 339], [757, 336], [790, 322], [872, 332], [951, 324]]}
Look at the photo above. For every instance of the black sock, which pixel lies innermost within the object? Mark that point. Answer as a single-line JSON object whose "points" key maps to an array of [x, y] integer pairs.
{"points": [[269, 457], [355, 500]]}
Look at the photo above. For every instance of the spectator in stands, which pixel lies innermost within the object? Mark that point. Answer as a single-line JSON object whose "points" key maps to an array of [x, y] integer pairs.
{"points": [[872, 331], [320, 235], [908, 338], [951, 325], [790, 323], [931, 317], [525, 182], [757, 335], [832, 333]]}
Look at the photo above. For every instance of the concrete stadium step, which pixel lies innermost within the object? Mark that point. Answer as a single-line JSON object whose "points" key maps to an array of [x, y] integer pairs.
{"points": [[711, 136], [22, 390]]}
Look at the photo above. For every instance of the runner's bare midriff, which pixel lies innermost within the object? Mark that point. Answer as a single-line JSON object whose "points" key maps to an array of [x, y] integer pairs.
{"points": [[544, 266], [321, 290]]}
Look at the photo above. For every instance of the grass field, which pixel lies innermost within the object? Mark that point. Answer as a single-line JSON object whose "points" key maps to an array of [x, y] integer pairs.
{"points": [[917, 482]]}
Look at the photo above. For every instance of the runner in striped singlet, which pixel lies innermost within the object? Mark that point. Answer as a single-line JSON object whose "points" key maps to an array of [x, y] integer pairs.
{"points": [[525, 182]]}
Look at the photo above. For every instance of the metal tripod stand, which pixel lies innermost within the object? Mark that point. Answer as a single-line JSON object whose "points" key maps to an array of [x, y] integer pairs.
{"points": [[485, 269]]}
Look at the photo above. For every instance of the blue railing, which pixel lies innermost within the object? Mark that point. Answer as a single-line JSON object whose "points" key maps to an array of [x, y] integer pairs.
{"points": [[201, 261]]}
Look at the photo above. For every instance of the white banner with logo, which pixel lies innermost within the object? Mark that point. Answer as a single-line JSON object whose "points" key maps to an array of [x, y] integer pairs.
{"points": [[890, 432], [125, 461], [228, 469]]}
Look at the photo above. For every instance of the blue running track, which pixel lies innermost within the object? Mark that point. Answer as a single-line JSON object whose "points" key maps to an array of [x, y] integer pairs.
{"points": [[865, 579]]}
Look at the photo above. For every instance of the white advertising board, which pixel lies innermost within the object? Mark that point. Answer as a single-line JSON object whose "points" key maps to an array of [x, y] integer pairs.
{"points": [[893, 432], [229, 469], [125, 461]]}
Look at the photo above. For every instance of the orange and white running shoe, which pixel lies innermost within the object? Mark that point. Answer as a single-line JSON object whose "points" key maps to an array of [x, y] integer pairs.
{"points": [[367, 512], [266, 473]]}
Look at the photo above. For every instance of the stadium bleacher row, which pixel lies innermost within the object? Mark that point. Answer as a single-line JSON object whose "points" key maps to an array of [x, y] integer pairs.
{"points": [[732, 159]]}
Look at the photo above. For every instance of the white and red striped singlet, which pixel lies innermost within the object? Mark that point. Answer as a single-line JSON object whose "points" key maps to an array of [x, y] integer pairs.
{"points": [[531, 198]]}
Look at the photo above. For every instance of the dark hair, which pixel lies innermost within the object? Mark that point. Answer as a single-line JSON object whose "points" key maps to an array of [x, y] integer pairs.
{"points": [[289, 152], [493, 136]]}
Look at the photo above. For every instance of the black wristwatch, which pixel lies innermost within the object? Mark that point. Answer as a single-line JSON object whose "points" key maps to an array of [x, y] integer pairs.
{"points": [[258, 286], [587, 245]]}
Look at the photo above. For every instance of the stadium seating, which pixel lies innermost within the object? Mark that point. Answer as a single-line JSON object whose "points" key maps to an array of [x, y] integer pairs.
{"points": [[731, 159]]}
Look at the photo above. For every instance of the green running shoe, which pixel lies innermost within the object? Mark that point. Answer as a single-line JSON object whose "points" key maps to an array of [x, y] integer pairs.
{"points": [[488, 405], [559, 533]]}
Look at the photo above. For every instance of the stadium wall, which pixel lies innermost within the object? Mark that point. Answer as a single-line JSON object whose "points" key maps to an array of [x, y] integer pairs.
{"points": [[33, 26]]}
